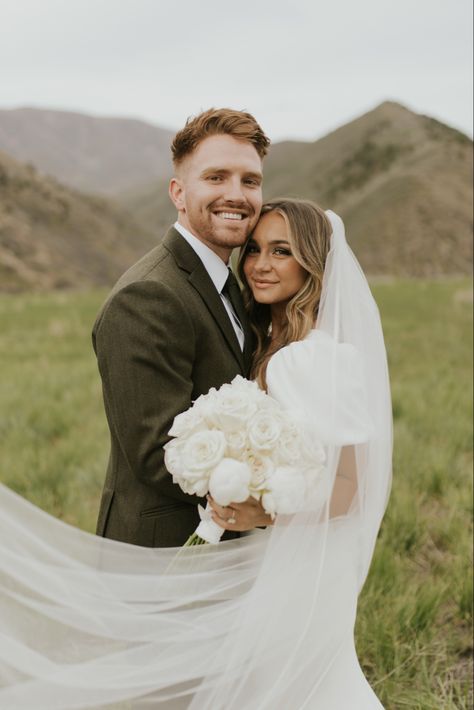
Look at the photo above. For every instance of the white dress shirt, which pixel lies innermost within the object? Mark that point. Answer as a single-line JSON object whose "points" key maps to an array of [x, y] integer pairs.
{"points": [[218, 273]]}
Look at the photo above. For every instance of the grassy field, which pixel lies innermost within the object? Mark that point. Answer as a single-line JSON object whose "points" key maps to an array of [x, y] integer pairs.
{"points": [[414, 623]]}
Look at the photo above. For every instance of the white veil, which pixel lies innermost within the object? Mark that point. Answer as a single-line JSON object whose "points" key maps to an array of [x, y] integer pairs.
{"points": [[256, 623]]}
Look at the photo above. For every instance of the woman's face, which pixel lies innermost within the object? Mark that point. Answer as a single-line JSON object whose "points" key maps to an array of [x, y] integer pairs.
{"points": [[273, 274]]}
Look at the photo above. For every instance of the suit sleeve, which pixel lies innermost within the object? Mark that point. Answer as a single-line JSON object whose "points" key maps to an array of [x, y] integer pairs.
{"points": [[145, 346]]}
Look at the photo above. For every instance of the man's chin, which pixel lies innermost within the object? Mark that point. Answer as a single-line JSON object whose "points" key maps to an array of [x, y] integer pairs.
{"points": [[231, 236]]}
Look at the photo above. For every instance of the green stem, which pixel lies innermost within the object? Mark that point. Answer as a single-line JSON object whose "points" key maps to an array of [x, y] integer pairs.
{"points": [[194, 540]]}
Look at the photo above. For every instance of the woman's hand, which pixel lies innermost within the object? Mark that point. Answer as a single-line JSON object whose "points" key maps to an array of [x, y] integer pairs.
{"points": [[240, 516]]}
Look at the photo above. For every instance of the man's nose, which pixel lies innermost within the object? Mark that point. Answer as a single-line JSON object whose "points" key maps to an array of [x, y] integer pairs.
{"points": [[234, 191]]}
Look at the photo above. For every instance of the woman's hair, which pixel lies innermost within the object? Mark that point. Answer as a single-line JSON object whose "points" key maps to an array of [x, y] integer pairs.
{"points": [[309, 234], [225, 121]]}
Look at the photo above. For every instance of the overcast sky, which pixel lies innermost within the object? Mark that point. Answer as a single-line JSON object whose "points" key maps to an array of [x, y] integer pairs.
{"points": [[302, 67]]}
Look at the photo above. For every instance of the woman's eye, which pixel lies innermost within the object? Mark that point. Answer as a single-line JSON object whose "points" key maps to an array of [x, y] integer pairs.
{"points": [[282, 252], [252, 250]]}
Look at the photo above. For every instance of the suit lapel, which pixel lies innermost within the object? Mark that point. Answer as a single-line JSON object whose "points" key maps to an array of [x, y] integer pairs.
{"points": [[188, 260]]}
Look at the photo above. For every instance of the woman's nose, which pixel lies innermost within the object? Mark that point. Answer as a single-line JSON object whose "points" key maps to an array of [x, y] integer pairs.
{"points": [[262, 262]]}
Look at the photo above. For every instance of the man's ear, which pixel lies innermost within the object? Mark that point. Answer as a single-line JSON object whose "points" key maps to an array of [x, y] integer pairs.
{"points": [[176, 193]]}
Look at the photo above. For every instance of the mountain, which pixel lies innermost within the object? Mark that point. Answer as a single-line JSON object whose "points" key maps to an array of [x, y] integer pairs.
{"points": [[401, 181], [93, 154], [55, 237]]}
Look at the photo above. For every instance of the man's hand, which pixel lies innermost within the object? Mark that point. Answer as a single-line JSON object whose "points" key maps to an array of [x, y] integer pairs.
{"points": [[240, 516]]}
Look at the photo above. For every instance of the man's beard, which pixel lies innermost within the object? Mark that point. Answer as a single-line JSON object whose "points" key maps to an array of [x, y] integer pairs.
{"points": [[230, 234]]}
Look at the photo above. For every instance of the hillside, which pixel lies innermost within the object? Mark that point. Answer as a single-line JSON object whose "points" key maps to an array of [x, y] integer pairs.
{"points": [[90, 153], [54, 237], [401, 181]]}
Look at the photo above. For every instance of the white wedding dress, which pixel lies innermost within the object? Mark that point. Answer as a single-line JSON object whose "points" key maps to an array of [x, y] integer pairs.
{"points": [[297, 379], [264, 622]]}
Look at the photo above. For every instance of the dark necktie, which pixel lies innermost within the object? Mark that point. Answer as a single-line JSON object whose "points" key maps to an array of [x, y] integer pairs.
{"points": [[232, 291]]}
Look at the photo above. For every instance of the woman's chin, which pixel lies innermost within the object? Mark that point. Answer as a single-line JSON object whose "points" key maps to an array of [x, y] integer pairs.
{"points": [[264, 298]]}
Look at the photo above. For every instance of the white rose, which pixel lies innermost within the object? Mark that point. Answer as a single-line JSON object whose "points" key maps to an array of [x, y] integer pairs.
{"points": [[187, 423], [267, 402], [203, 450], [290, 447], [316, 453], [286, 490], [197, 486], [173, 457], [261, 467], [232, 408], [264, 429], [229, 482], [236, 443], [241, 384], [204, 404]]}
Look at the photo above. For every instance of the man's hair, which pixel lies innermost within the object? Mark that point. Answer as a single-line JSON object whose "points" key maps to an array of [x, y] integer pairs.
{"points": [[213, 122]]}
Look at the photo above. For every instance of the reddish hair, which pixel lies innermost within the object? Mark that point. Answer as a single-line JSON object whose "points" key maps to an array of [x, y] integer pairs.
{"points": [[223, 121]]}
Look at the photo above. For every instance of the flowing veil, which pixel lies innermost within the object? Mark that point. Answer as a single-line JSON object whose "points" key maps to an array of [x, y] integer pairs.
{"points": [[256, 622]]}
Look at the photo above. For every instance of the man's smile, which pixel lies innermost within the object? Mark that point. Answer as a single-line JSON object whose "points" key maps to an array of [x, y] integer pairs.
{"points": [[230, 215]]}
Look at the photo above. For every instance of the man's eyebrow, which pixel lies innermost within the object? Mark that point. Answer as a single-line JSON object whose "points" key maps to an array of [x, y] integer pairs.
{"points": [[225, 171]]}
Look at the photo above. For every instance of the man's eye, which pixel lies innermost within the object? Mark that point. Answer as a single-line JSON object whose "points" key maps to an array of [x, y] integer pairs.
{"points": [[214, 178], [252, 182]]}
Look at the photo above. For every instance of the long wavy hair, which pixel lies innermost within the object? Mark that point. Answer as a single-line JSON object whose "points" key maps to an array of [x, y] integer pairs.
{"points": [[309, 233]]}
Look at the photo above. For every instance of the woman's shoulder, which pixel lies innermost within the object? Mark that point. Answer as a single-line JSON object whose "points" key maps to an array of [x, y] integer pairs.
{"points": [[324, 381], [318, 347]]}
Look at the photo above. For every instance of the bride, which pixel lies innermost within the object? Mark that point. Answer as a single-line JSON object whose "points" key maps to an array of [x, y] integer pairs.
{"points": [[262, 622]]}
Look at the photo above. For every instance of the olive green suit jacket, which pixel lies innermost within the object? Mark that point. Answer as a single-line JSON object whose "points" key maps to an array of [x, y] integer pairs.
{"points": [[162, 338]]}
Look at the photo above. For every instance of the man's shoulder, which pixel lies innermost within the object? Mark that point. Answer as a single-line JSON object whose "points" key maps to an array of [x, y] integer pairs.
{"points": [[149, 273], [147, 268], [158, 265]]}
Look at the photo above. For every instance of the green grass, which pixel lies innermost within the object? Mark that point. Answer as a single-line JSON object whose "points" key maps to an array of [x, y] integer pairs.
{"points": [[414, 622]]}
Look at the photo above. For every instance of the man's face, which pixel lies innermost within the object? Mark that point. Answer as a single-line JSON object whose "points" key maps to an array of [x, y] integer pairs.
{"points": [[218, 192]]}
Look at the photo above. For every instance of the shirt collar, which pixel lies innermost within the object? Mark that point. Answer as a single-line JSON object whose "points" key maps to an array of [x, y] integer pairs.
{"points": [[213, 264]]}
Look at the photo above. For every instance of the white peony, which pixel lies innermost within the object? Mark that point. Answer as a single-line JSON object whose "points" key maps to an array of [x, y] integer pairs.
{"points": [[264, 429], [202, 451], [229, 482], [285, 493]]}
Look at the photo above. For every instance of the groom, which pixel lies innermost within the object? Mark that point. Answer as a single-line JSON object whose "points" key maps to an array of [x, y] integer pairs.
{"points": [[174, 326]]}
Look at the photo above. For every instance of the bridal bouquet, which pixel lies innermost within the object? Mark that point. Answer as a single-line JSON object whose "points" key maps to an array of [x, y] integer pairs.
{"points": [[237, 442]]}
